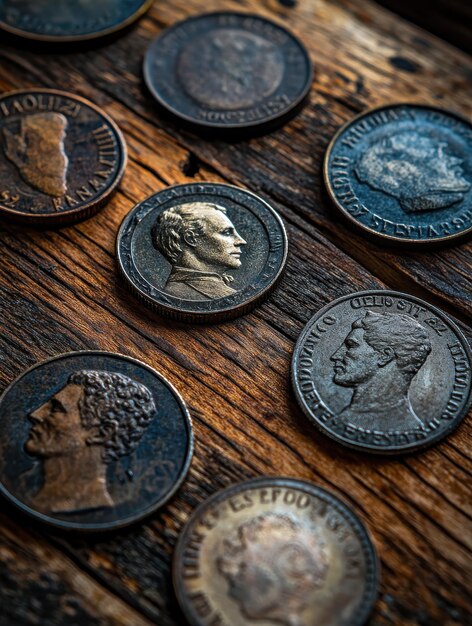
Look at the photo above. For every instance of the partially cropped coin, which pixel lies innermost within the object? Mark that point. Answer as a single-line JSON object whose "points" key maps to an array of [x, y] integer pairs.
{"points": [[402, 174], [275, 551], [79, 20], [202, 251], [383, 372], [61, 157], [92, 441], [229, 71]]}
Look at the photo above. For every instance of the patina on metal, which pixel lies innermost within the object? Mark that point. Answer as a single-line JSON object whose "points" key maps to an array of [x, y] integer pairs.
{"points": [[202, 251], [402, 174], [92, 441], [61, 157], [229, 72], [275, 551], [383, 372], [69, 20]]}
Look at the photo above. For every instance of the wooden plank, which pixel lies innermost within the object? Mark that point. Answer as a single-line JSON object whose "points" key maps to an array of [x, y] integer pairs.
{"points": [[59, 291]]}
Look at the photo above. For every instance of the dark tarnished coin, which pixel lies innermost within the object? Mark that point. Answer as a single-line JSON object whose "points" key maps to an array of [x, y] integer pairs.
{"points": [[202, 252], [275, 551], [403, 174], [383, 372], [61, 157], [69, 20], [92, 441], [229, 71]]}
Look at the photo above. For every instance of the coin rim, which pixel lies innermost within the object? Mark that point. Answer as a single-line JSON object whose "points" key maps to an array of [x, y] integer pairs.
{"points": [[372, 578], [366, 230], [103, 527], [201, 316], [25, 34], [368, 448], [283, 115], [90, 208]]}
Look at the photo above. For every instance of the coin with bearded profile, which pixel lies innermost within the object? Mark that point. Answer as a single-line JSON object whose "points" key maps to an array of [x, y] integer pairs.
{"points": [[61, 157], [275, 551]]}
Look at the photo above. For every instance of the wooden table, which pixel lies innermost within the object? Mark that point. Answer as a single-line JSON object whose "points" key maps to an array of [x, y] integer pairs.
{"points": [[59, 292]]}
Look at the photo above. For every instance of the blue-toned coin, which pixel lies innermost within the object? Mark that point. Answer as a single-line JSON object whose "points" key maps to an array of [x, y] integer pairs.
{"points": [[92, 441], [69, 20], [403, 174]]}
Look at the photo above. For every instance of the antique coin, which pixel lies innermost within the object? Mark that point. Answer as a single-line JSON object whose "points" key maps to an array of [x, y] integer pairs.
{"points": [[383, 372], [92, 441], [275, 551], [403, 174], [69, 21], [202, 252], [61, 157], [229, 71]]}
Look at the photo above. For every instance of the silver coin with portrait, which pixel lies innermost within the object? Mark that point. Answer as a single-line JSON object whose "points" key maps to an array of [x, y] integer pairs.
{"points": [[383, 371], [202, 252]]}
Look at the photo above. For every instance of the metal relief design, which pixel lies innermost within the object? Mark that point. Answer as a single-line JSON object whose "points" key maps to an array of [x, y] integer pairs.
{"points": [[95, 419], [201, 243], [272, 564], [379, 359], [420, 172], [240, 68], [38, 151]]}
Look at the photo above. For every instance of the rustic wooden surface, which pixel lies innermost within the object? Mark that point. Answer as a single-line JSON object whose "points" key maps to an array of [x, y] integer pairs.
{"points": [[59, 292]]}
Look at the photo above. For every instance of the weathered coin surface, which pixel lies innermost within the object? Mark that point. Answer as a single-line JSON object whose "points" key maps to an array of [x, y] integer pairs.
{"points": [[275, 551], [403, 174], [69, 20], [61, 157], [229, 71], [202, 251], [92, 441], [383, 372]]}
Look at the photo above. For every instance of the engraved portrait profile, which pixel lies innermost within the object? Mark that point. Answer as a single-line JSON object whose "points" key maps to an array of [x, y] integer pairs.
{"points": [[378, 359], [418, 170], [272, 564], [202, 245], [57, 12], [240, 69], [95, 419], [37, 150]]}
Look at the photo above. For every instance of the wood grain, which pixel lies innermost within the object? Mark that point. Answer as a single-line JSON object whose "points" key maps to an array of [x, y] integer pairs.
{"points": [[59, 291]]}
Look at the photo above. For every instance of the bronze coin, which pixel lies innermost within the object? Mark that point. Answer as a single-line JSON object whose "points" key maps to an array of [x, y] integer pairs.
{"points": [[61, 157], [202, 252], [229, 72], [275, 551], [383, 372], [69, 21], [92, 441]]}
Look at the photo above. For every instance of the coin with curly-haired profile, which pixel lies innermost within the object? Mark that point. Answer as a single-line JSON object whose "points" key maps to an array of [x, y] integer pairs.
{"points": [[275, 552], [402, 174], [92, 441], [383, 372]]}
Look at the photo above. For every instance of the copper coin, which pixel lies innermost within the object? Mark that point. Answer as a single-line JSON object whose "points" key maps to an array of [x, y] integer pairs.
{"points": [[61, 157], [275, 551], [92, 441], [69, 21], [383, 372], [202, 252], [229, 72]]}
